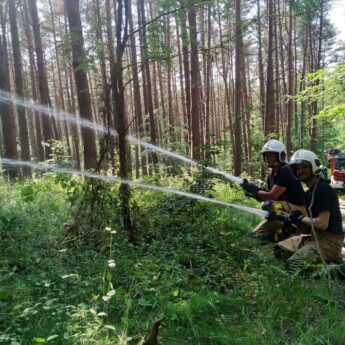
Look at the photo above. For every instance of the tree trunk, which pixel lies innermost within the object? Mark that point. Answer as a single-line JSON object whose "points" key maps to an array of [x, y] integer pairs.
{"points": [[136, 92], [171, 116], [313, 130], [78, 54], [260, 66], [194, 77], [61, 102], [39, 149], [238, 88], [69, 83], [182, 86], [247, 113], [6, 112], [153, 133], [208, 68], [224, 74], [119, 113], [269, 124], [107, 91], [186, 74], [42, 79], [18, 80], [301, 86], [288, 141], [278, 118]]}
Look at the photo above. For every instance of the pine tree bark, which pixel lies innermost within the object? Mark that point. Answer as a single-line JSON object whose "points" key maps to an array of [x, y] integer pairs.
{"points": [[238, 88], [278, 68], [39, 150], [169, 86], [119, 111], [18, 80], [107, 90], [71, 103], [152, 121], [194, 78], [260, 65], [136, 91], [61, 99], [8, 127], [228, 97], [269, 125], [162, 123], [186, 73], [182, 86], [288, 142], [302, 85], [317, 64], [245, 80], [78, 54], [48, 133], [207, 63]]}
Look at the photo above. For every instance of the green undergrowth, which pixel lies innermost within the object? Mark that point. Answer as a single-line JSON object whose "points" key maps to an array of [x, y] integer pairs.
{"points": [[193, 264]]}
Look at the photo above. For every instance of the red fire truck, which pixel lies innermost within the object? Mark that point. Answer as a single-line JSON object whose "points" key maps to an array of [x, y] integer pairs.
{"points": [[336, 161]]}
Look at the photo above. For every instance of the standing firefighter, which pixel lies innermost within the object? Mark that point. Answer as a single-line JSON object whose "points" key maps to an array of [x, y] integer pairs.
{"points": [[324, 222], [284, 189]]}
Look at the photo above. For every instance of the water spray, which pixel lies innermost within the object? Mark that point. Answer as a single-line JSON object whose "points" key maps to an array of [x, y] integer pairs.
{"points": [[111, 179], [7, 97]]}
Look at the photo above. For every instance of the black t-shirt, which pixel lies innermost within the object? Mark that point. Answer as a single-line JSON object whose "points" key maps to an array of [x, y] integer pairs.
{"points": [[294, 193], [325, 199]]}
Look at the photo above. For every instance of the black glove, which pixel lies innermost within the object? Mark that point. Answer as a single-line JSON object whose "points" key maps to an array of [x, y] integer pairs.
{"points": [[250, 189], [295, 217], [273, 216]]}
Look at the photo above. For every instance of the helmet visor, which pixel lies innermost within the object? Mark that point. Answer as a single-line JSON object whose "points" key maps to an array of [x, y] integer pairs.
{"points": [[300, 162]]}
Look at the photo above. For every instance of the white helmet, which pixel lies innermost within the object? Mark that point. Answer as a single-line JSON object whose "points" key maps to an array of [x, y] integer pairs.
{"points": [[303, 156], [275, 146]]}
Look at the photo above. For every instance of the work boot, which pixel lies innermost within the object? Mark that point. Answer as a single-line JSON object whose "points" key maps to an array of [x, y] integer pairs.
{"points": [[260, 239], [341, 271], [280, 253], [254, 235], [337, 268], [296, 265]]}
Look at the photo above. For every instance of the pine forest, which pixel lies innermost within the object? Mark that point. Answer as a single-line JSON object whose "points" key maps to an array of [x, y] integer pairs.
{"points": [[129, 131]]}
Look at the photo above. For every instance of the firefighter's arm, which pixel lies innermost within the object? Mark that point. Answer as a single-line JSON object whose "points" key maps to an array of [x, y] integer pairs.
{"points": [[273, 194], [320, 222]]}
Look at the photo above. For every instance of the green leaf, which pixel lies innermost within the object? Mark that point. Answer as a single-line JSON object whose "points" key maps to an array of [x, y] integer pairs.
{"points": [[110, 327], [40, 340], [175, 293], [51, 337]]}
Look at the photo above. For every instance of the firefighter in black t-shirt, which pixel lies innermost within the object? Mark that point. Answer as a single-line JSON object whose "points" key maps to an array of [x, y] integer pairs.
{"points": [[324, 216], [284, 189]]}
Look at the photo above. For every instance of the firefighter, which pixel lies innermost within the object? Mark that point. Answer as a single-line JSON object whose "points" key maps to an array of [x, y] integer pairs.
{"points": [[324, 222], [284, 189]]}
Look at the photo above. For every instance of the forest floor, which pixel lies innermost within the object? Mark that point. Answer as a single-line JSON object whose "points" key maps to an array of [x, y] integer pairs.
{"points": [[193, 264]]}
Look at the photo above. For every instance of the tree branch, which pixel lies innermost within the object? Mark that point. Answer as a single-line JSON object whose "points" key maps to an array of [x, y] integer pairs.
{"points": [[165, 14]]}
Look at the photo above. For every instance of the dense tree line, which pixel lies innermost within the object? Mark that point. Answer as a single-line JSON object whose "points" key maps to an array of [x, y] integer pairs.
{"points": [[193, 76]]}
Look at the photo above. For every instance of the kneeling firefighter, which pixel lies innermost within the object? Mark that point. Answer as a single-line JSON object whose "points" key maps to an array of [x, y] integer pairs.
{"points": [[323, 225], [284, 189]]}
